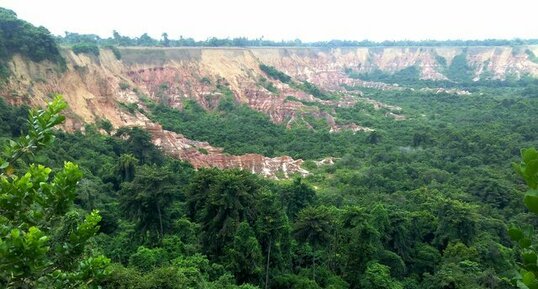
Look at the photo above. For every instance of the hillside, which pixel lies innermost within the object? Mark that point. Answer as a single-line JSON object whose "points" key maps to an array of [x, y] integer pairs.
{"points": [[276, 168], [103, 87]]}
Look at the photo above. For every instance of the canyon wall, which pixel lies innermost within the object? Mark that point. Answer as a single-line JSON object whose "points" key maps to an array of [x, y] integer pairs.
{"points": [[100, 87], [432, 62]]}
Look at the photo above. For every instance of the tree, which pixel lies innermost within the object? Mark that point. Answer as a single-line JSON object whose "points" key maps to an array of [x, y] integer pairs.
{"points": [[374, 137], [528, 170], [377, 276], [297, 196], [220, 201], [139, 143], [165, 41], [42, 238], [245, 256], [146, 40], [273, 231], [457, 221], [314, 226], [19, 36], [147, 198], [126, 168], [362, 242], [106, 125]]}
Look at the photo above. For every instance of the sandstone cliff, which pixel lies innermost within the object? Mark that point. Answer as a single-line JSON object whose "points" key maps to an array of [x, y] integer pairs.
{"points": [[93, 86]]}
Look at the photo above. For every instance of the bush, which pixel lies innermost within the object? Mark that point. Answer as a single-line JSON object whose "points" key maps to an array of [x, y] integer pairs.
{"points": [[116, 51], [275, 74], [18, 36], [124, 85], [88, 48], [532, 57]]}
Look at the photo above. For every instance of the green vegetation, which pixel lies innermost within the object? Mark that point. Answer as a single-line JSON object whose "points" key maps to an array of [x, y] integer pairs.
{"points": [[124, 85], [145, 40], [440, 60], [407, 75], [268, 85], [115, 51], [422, 203], [42, 237], [20, 37], [132, 107], [313, 90], [275, 73], [426, 203], [305, 86], [239, 129], [459, 70], [307, 103], [528, 170], [88, 48], [531, 56]]}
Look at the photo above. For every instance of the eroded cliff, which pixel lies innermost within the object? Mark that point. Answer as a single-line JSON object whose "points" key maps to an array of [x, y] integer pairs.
{"points": [[99, 87]]}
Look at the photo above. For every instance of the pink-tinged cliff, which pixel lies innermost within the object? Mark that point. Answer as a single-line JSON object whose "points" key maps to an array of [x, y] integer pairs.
{"points": [[94, 87]]}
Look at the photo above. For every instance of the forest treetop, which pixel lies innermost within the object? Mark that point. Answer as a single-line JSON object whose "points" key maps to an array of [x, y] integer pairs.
{"points": [[117, 39]]}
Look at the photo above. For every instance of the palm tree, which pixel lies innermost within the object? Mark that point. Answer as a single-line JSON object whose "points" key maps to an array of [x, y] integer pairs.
{"points": [[126, 167], [220, 201], [272, 228], [314, 226], [147, 198]]}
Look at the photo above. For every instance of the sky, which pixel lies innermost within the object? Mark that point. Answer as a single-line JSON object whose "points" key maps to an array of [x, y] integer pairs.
{"points": [[315, 20]]}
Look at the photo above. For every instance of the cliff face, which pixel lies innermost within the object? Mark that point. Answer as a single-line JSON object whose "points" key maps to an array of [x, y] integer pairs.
{"points": [[323, 66], [95, 87]]}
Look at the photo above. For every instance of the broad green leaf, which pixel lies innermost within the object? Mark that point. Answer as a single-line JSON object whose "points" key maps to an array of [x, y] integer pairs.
{"points": [[525, 243], [531, 200], [515, 234], [531, 174], [528, 278], [521, 285], [529, 155], [529, 257]]}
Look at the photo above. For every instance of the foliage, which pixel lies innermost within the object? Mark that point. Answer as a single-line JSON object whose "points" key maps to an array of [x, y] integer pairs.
{"points": [[220, 202], [106, 125], [313, 90], [88, 48], [115, 51], [528, 170], [42, 239], [275, 73], [378, 276], [390, 216], [146, 40], [239, 130], [531, 55], [407, 75], [268, 85], [124, 85], [146, 198], [421, 203], [459, 69], [20, 37]]}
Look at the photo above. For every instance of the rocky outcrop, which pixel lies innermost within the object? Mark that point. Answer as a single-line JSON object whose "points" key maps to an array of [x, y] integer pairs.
{"points": [[91, 87], [103, 87], [324, 66], [201, 154]]}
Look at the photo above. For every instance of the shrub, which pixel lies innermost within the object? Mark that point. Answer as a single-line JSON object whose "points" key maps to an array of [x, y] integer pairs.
{"points": [[88, 48]]}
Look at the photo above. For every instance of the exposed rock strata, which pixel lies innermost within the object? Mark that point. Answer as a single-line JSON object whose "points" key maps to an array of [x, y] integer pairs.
{"points": [[91, 86]]}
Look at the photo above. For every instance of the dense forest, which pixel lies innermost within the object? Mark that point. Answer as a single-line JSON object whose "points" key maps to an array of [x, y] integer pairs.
{"points": [[71, 38], [20, 37], [445, 199], [425, 203]]}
